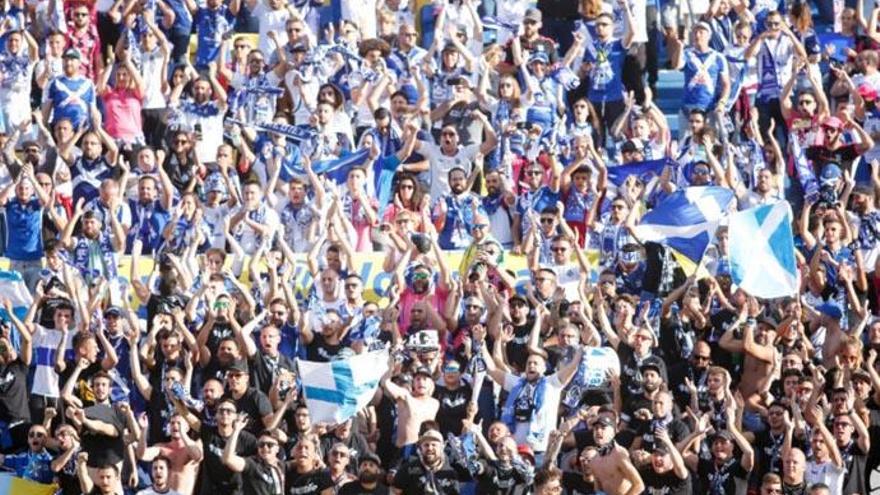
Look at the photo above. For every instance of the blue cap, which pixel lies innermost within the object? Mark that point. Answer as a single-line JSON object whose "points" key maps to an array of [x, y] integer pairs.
{"points": [[411, 93], [214, 182], [539, 57], [831, 309], [812, 46]]}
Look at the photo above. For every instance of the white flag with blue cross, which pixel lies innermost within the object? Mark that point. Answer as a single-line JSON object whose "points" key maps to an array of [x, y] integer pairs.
{"points": [[337, 390], [762, 260]]}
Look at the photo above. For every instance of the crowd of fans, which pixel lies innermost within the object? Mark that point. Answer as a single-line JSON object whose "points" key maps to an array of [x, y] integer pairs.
{"points": [[225, 145]]}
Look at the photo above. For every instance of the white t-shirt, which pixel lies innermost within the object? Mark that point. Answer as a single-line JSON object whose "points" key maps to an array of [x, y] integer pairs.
{"points": [[441, 164], [151, 73], [271, 20], [45, 343], [826, 473], [552, 393]]}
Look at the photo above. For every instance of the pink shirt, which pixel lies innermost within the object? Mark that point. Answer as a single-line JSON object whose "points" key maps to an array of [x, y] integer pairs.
{"points": [[122, 115], [408, 299]]}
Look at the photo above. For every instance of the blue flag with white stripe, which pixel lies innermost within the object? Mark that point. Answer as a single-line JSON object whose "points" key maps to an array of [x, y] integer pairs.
{"points": [[762, 260], [337, 390], [686, 220], [336, 169]]}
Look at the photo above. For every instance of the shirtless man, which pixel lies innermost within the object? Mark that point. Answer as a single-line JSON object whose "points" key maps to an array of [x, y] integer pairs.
{"points": [[760, 354], [612, 469], [183, 453], [414, 407]]}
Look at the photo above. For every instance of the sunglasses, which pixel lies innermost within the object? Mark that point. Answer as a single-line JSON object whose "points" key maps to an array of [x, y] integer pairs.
{"points": [[80, 14], [559, 249], [267, 444], [535, 172], [406, 186], [225, 410], [420, 276], [701, 358], [547, 221], [480, 226]]}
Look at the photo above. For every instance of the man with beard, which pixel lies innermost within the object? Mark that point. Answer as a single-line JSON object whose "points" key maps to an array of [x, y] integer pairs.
{"points": [[661, 419], [159, 471], [531, 408], [215, 477], [369, 480], [612, 468], [497, 203], [345, 435], [92, 168], [418, 282], [454, 211], [868, 223], [185, 455], [94, 252], [249, 401], [450, 154], [429, 471], [667, 472], [70, 96], [691, 372], [148, 214], [261, 474], [503, 471], [204, 114], [305, 472], [530, 203], [722, 474]]}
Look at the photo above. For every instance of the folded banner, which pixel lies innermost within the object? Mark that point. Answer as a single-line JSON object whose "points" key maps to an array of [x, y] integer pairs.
{"points": [[762, 260], [336, 170], [337, 390], [686, 220]]}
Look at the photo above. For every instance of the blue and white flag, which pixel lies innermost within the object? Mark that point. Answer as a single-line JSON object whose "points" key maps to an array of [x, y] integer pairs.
{"points": [[337, 390], [686, 220], [762, 258], [644, 170], [12, 287], [335, 169]]}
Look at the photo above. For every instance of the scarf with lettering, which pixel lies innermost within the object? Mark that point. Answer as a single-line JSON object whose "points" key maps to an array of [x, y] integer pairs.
{"points": [[536, 424]]}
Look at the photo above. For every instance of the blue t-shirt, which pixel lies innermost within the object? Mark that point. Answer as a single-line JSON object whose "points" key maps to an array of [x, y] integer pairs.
{"points": [[607, 59], [24, 224], [183, 19], [31, 466], [703, 73], [72, 98], [211, 27]]}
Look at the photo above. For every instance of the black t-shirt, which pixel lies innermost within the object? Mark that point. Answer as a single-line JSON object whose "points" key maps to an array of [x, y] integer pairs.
{"points": [[319, 350], [103, 449], [453, 405], [676, 429], [768, 452], [355, 488], [256, 405], [517, 349], [260, 479], [14, 393], [357, 445], [311, 483], [843, 156], [215, 477], [665, 484], [498, 480], [413, 479], [83, 388], [264, 370], [727, 479], [854, 460], [575, 484]]}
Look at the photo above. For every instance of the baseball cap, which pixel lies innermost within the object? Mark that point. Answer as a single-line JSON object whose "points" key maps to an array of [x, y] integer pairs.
{"points": [[369, 456], [860, 374], [525, 451], [113, 311], [238, 366], [768, 320], [833, 122], [831, 309], [651, 365], [431, 435], [632, 145], [867, 92], [450, 46], [72, 53], [533, 15], [722, 435], [539, 57], [703, 25]]}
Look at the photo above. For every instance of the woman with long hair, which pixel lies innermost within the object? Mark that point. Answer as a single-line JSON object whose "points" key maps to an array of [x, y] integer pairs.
{"points": [[408, 196], [123, 100]]}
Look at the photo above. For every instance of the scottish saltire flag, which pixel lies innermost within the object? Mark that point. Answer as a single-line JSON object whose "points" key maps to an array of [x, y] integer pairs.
{"points": [[11, 485], [337, 390], [686, 220], [644, 170], [761, 244]]}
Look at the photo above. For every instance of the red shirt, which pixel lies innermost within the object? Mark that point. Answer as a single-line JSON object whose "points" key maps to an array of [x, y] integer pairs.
{"points": [[89, 45]]}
